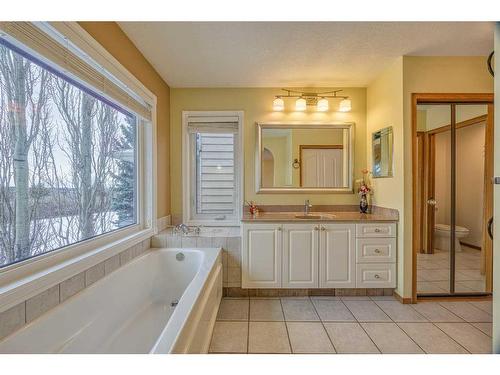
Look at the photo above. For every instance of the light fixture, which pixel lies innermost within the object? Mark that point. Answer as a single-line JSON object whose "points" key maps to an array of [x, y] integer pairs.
{"points": [[300, 104], [322, 105], [345, 105], [304, 99], [278, 104]]}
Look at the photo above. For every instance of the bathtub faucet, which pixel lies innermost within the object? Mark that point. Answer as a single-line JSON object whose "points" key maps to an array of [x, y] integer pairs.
{"points": [[185, 229]]}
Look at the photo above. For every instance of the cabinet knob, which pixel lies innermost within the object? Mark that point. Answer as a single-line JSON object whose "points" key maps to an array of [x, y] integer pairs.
{"points": [[316, 228], [377, 251], [377, 230], [377, 276], [323, 229]]}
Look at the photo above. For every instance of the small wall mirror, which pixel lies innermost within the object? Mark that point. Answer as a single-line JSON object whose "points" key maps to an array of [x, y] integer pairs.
{"points": [[382, 150], [299, 158]]}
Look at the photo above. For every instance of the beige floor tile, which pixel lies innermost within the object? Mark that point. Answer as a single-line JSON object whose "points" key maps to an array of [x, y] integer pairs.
{"points": [[486, 306], [309, 338], [329, 298], [468, 336], [431, 339], [355, 298], [266, 310], [389, 338], [486, 328], [350, 338], [229, 337], [367, 311], [399, 312], [383, 298], [434, 312], [333, 311], [467, 311], [233, 309], [268, 337], [299, 310]]}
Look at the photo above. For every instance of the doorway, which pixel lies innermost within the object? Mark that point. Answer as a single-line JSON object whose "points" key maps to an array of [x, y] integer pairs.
{"points": [[452, 199]]}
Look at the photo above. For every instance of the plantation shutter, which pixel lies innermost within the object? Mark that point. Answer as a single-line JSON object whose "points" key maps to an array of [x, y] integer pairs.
{"points": [[215, 173], [66, 58]]}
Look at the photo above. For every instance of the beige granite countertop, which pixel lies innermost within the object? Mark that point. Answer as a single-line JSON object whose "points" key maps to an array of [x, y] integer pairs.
{"points": [[334, 216]]}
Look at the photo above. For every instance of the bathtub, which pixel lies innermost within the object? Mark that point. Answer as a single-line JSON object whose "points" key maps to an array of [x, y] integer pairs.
{"points": [[164, 301]]}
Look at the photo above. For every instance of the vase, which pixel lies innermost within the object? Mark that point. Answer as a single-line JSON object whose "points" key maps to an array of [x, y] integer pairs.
{"points": [[363, 204]]}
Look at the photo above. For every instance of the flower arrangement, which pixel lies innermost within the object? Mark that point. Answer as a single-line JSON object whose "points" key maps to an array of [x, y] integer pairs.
{"points": [[364, 189], [252, 207]]}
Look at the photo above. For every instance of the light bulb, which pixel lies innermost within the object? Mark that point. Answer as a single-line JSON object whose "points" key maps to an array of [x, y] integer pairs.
{"points": [[300, 104], [278, 105], [345, 105], [322, 105]]}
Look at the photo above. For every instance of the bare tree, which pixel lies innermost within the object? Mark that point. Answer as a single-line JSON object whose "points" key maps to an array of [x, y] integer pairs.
{"points": [[90, 136], [25, 86]]}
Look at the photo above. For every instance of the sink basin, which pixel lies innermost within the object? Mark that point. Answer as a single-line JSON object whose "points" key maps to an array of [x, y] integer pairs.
{"points": [[315, 216], [310, 217]]}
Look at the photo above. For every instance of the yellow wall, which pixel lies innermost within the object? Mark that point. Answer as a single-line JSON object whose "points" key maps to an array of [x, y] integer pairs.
{"points": [[385, 108], [257, 106], [427, 75], [111, 37], [389, 103]]}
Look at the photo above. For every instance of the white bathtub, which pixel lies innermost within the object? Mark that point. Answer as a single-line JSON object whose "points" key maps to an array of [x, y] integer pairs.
{"points": [[131, 310]]}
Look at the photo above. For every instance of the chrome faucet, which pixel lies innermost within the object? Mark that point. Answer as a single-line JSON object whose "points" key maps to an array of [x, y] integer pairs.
{"points": [[185, 229], [307, 207]]}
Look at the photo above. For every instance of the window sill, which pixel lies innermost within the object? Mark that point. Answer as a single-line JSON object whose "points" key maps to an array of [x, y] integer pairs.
{"points": [[20, 282]]}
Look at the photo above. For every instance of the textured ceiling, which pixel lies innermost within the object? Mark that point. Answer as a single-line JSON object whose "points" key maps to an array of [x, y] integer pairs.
{"points": [[296, 54]]}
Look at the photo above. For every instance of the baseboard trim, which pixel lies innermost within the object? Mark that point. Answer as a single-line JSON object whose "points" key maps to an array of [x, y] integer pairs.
{"points": [[470, 245], [282, 292], [403, 300]]}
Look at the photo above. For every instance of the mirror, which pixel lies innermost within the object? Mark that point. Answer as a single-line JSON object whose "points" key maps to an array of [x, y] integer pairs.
{"points": [[304, 158], [382, 150]]}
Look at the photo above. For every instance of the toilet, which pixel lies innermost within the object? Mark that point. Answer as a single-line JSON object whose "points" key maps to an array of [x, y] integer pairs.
{"points": [[442, 236]]}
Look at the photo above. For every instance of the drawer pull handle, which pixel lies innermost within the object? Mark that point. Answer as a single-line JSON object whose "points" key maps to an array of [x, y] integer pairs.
{"points": [[377, 251], [316, 228], [377, 230], [323, 228], [377, 276]]}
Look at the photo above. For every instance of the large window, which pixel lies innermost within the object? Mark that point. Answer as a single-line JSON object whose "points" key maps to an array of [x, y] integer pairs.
{"points": [[68, 159], [212, 154]]}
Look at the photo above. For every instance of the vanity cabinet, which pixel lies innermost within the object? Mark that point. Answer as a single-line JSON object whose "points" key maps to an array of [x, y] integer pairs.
{"points": [[337, 266], [262, 256], [300, 255], [319, 255]]}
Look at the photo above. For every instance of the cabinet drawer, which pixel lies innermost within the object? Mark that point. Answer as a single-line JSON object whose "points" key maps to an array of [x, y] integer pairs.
{"points": [[375, 250], [376, 275], [376, 230]]}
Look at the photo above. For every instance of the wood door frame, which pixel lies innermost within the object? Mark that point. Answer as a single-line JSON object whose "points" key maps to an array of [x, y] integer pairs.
{"points": [[322, 147], [441, 98]]}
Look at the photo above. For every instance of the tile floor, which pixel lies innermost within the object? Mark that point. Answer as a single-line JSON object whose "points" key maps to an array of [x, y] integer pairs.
{"points": [[351, 325], [433, 271]]}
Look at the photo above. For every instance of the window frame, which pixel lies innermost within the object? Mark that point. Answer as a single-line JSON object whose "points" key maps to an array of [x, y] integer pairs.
{"points": [[25, 279], [189, 190]]}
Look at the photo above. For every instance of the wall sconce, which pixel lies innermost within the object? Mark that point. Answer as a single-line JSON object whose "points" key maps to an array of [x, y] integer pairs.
{"points": [[278, 104], [300, 104], [345, 105], [304, 99]]}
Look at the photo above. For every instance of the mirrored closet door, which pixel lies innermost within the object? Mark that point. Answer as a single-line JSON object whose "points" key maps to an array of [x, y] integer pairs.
{"points": [[453, 198]]}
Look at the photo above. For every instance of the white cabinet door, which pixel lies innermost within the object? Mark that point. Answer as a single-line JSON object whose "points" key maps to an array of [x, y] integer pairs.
{"points": [[261, 261], [300, 255], [337, 263]]}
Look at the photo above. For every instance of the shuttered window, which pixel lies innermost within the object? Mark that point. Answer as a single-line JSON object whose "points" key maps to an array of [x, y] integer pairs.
{"points": [[214, 175]]}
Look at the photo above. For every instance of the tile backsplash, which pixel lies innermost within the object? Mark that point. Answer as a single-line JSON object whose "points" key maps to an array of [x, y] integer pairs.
{"points": [[231, 251], [25, 312]]}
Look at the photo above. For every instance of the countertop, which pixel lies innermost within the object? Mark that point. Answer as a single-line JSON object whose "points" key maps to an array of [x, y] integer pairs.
{"points": [[335, 216]]}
